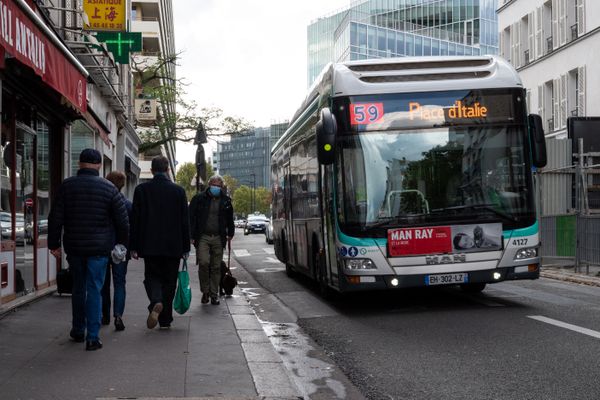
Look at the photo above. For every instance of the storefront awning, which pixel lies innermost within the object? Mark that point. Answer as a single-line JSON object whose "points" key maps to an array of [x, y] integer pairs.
{"points": [[25, 36]]}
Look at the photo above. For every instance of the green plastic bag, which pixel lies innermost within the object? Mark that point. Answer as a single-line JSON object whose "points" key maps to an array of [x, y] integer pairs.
{"points": [[183, 294]]}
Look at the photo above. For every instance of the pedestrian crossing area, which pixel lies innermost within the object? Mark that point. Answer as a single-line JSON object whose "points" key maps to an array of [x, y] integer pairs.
{"points": [[254, 252]]}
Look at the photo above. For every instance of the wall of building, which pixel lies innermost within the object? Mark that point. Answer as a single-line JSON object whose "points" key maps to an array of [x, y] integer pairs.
{"points": [[549, 43]]}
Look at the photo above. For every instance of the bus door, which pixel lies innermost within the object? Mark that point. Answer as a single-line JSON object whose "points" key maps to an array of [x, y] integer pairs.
{"points": [[288, 224], [328, 218]]}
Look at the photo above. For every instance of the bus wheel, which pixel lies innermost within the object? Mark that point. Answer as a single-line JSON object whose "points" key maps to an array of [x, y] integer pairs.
{"points": [[472, 287], [320, 268]]}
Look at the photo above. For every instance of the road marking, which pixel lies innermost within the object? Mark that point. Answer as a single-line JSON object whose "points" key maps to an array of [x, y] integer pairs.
{"points": [[241, 253], [561, 324], [269, 250], [272, 260]]}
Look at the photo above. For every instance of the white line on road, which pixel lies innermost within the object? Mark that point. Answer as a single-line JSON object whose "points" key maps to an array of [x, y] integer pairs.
{"points": [[561, 324], [269, 250], [271, 260], [241, 253]]}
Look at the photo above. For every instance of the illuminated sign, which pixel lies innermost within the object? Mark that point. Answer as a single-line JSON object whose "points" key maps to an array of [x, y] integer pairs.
{"points": [[366, 113], [459, 110], [105, 15], [434, 109]]}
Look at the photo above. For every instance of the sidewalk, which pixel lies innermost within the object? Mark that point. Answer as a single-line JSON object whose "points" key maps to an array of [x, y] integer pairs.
{"points": [[568, 274], [211, 351]]}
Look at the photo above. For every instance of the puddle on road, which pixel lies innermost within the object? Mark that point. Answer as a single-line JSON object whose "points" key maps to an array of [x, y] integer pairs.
{"points": [[311, 374]]}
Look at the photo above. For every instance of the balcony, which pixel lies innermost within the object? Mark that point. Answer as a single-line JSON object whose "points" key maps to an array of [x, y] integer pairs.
{"points": [[147, 26]]}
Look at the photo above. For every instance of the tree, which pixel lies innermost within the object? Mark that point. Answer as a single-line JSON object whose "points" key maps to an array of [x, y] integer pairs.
{"points": [[178, 118], [186, 177], [231, 183], [242, 200]]}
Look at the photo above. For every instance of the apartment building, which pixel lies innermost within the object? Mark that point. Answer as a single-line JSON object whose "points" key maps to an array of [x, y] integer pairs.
{"points": [[554, 45], [154, 19]]}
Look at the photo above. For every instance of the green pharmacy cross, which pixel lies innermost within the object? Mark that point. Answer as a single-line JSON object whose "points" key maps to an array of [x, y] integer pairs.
{"points": [[121, 44]]}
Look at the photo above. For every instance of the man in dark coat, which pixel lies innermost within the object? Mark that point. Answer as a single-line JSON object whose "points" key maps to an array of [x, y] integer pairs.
{"points": [[211, 223], [160, 234], [87, 212]]}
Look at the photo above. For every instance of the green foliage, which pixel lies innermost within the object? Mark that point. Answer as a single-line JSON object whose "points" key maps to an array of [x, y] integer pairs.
{"points": [[242, 200], [185, 176], [232, 184]]}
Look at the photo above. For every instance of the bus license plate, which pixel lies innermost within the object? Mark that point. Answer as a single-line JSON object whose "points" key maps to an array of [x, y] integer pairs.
{"points": [[446, 279]]}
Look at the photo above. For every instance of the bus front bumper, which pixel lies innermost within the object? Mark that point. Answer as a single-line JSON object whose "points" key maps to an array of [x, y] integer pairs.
{"points": [[350, 283]]}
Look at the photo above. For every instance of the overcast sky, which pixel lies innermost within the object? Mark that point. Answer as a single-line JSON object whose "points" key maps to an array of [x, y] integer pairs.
{"points": [[247, 57]]}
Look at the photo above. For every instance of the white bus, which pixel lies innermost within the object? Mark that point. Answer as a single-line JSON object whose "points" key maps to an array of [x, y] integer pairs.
{"points": [[410, 172]]}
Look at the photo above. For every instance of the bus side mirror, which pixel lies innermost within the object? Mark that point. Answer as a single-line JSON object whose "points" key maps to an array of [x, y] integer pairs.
{"points": [[538, 141], [326, 132]]}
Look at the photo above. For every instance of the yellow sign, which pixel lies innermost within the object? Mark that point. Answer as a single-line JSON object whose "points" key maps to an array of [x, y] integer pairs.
{"points": [[105, 15]]}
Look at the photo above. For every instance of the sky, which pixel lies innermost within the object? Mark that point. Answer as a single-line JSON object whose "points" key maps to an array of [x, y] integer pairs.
{"points": [[247, 57]]}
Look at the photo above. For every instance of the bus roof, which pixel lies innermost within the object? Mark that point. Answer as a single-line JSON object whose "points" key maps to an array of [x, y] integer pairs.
{"points": [[406, 75]]}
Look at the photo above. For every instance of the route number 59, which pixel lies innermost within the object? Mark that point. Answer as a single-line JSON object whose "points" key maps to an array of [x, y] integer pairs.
{"points": [[366, 113]]}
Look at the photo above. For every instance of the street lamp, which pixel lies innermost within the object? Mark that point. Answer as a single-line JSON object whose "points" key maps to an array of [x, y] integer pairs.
{"points": [[200, 161]]}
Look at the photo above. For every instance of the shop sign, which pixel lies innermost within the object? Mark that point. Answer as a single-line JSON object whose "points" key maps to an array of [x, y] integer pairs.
{"points": [[105, 15], [21, 38], [145, 109]]}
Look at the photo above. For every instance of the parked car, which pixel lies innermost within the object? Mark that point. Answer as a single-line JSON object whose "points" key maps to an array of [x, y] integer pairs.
{"points": [[269, 232], [255, 223], [6, 225], [239, 223]]}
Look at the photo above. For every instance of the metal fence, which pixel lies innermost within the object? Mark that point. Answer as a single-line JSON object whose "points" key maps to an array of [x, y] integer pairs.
{"points": [[569, 204]]}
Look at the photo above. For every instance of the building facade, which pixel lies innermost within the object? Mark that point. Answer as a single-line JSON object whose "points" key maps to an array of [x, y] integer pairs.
{"points": [[552, 44], [61, 92], [154, 20], [247, 158], [396, 28]]}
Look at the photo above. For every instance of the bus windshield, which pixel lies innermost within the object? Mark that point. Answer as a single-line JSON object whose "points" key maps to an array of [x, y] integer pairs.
{"points": [[433, 176]]}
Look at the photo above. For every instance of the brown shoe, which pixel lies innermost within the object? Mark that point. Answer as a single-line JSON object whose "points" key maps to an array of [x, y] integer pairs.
{"points": [[153, 317], [204, 298]]}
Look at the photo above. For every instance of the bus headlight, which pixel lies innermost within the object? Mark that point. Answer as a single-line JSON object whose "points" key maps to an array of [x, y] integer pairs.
{"points": [[359, 263], [529, 252]]}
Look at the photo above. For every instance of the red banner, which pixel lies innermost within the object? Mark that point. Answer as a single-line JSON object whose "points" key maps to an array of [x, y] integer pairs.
{"points": [[21, 38], [415, 241]]}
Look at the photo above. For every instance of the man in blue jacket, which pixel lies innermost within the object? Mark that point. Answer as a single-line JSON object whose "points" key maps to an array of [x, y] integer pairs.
{"points": [[87, 212]]}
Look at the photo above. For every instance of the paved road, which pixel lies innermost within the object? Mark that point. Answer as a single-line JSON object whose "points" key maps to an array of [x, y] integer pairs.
{"points": [[519, 340]]}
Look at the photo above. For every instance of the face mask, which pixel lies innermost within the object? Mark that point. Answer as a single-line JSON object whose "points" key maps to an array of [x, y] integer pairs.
{"points": [[215, 190]]}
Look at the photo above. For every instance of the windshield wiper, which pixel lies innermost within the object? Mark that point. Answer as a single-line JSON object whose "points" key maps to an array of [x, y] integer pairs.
{"points": [[486, 207]]}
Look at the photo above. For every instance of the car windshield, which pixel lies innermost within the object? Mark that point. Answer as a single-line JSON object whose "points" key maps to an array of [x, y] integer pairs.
{"points": [[255, 218]]}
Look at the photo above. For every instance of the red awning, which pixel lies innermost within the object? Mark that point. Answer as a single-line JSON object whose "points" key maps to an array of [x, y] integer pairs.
{"points": [[24, 35]]}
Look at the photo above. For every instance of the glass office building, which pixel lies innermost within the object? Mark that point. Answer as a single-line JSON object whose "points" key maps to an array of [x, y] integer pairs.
{"points": [[398, 28]]}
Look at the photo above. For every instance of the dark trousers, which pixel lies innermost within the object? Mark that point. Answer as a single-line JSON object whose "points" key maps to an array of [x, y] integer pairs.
{"points": [[160, 281]]}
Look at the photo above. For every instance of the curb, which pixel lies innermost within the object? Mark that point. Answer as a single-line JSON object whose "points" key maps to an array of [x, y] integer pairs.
{"points": [[561, 275]]}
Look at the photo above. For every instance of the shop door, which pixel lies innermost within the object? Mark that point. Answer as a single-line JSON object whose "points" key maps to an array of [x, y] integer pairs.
{"points": [[25, 210]]}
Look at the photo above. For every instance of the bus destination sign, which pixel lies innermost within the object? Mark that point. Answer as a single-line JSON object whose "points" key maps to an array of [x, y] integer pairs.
{"points": [[416, 110]]}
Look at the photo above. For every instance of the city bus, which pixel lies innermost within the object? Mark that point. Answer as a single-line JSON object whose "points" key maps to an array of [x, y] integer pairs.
{"points": [[409, 172]]}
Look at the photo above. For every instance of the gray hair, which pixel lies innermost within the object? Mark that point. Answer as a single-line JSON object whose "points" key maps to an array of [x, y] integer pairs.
{"points": [[216, 177]]}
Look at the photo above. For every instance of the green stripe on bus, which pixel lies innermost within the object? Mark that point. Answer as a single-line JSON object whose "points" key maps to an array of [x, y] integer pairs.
{"points": [[529, 231]]}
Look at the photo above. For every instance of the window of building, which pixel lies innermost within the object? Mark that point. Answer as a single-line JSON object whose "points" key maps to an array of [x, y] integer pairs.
{"points": [[82, 137]]}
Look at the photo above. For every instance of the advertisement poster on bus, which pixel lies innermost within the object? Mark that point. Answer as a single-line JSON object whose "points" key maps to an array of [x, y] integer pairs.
{"points": [[444, 239]]}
